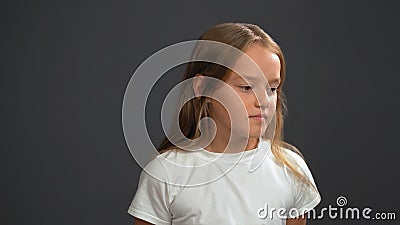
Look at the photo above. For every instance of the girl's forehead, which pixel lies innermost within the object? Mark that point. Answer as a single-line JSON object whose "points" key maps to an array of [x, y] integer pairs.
{"points": [[256, 64]]}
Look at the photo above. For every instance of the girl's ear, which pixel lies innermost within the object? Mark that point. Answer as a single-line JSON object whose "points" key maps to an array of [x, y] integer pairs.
{"points": [[198, 85]]}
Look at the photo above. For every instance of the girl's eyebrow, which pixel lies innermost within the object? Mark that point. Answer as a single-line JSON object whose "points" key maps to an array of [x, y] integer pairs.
{"points": [[274, 81]]}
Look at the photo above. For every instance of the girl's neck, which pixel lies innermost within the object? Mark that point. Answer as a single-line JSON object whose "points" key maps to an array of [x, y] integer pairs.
{"points": [[220, 144]]}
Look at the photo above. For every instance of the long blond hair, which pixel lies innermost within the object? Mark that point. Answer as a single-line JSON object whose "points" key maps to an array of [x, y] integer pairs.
{"points": [[240, 36]]}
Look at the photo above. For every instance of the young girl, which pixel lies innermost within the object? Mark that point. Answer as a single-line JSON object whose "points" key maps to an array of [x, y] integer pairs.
{"points": [[213, 183]]}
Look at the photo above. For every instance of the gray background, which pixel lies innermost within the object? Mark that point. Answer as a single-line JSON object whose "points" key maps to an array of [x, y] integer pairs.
{"points": [[65, 66]]}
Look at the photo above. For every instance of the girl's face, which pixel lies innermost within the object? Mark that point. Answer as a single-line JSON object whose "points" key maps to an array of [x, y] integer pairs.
{"points": [[260, 106]]}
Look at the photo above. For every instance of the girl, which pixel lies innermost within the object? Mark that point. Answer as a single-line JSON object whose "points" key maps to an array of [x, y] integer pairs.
{"points": [[182, 186]]}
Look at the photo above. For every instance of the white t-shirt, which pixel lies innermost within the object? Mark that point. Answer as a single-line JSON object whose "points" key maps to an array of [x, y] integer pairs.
{"points": [[203, 187]]}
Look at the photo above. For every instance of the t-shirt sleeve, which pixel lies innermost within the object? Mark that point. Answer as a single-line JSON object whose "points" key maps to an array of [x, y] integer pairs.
{"points": [[151, 200], [306, 196]]}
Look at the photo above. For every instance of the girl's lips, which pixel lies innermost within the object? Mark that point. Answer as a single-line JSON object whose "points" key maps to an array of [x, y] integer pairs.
{"points": [[259, 117]]}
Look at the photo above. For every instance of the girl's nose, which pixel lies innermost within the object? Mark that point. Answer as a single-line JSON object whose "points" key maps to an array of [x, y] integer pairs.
{"points": [[262, 99]]}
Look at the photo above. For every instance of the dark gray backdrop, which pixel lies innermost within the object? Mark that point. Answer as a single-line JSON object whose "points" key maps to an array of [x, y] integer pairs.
{"points": [[65, 66]]}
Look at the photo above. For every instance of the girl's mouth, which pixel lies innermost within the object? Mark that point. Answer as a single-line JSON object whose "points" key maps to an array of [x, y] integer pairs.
{"points": [[259, 117]]}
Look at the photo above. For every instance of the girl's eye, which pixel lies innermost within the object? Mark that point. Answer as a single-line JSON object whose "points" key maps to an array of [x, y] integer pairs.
{"points": [[245, 88]]}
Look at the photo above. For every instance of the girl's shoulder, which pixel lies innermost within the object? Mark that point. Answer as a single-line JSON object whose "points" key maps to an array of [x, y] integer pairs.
{"points": [[296, 158], [178, 156], [293, 154]]}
